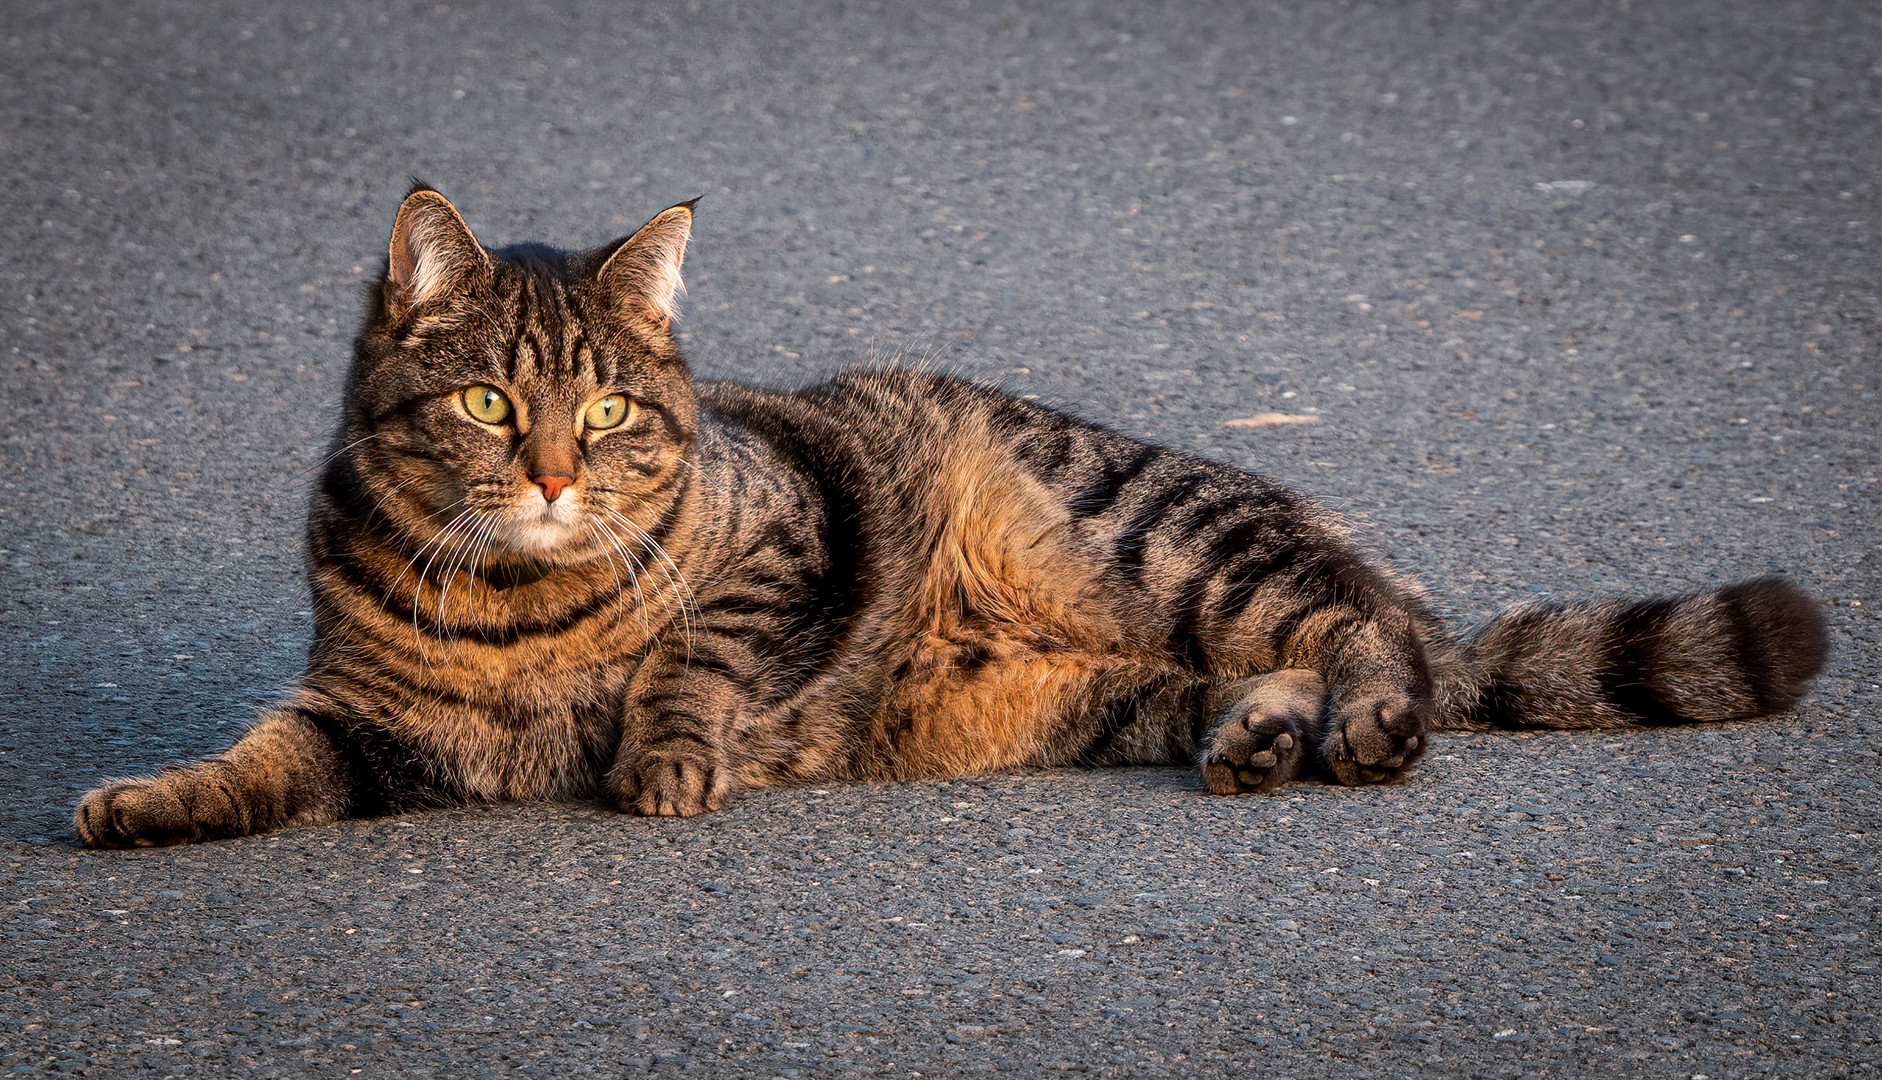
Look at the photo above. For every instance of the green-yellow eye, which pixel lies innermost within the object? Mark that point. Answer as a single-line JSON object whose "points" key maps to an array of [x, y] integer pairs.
{"points": [[609, 412], [487, 403]]}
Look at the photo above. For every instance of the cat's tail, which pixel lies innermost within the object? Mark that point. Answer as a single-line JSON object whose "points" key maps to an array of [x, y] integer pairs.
{"points": [[1735, 653]]}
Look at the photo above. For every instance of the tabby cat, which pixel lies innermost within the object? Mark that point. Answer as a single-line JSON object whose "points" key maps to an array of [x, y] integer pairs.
{"points": [[546, 564]]}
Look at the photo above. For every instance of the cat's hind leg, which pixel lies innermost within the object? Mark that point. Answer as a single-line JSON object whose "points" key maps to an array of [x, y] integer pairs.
{"points": [[283, 772], [1254, 733], [1379, 694], [1305, 602]]}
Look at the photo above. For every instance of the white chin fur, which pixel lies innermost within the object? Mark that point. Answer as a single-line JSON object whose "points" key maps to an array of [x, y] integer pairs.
{"points": [[540, 530], [536, 537]]}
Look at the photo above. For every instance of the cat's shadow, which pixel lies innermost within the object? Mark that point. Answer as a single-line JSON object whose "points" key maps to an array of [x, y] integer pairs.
{"points": [[114, 725]]}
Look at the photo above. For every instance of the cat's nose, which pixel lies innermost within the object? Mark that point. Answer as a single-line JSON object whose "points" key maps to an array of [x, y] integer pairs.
{"points": [[552, 485]]}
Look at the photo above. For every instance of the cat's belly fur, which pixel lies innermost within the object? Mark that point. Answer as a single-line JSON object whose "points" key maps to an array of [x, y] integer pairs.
{"points": [[995, 640], [557, 754], [1011, 629]]}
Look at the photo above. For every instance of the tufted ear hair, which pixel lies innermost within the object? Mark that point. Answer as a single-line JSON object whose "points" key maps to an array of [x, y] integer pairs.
{"points": [[432, 255], [642, 275]]}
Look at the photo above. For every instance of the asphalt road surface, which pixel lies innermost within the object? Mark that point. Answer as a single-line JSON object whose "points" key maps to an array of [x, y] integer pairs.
{"points": [[1583, 298]]}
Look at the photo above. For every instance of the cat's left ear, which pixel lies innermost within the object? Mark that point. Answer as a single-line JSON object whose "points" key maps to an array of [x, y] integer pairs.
{"points": [[642, 276]]}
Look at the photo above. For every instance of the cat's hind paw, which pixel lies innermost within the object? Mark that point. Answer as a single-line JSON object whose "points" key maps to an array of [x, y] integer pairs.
{"points": [[1374, 738], [1266, 735]]}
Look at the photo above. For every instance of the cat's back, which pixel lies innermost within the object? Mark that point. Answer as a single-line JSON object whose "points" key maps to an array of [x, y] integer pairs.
{"points": [[889, 425], [890, 435], [878, 406], [935, 486]]}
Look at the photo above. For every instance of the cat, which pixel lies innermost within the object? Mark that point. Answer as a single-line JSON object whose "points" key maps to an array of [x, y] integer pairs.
{"points": [[547, 564]]}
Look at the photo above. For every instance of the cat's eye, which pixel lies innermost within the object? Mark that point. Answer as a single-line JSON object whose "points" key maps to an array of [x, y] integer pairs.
{"points": [[609, 412], [487, 403]]}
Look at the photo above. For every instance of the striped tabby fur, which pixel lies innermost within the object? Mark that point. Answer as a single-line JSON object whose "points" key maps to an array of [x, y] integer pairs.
{"points": [[889, 575]]}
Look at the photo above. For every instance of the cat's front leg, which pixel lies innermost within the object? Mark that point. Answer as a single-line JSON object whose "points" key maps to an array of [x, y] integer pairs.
{"points": [[284, 771], [672, 761]]}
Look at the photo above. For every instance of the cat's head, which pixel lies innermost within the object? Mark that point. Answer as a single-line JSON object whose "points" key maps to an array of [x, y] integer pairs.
{"points": [[526, 405]]}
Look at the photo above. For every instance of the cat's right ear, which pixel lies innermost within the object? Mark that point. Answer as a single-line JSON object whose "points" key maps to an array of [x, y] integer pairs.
{"points": [[432, 255]]}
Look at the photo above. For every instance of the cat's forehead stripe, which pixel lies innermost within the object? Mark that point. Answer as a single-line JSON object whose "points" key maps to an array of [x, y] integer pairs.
{"points": [[547, 335], [521, 354], [586, 359]]}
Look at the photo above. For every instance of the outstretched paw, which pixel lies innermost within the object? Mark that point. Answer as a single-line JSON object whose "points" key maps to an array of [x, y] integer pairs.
{"points": [[1264, 739], [672, 783], [151, 812], [1374, 737]]}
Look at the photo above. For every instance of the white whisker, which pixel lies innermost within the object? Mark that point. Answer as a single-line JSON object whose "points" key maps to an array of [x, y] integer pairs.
{"points": [[487, 521], [611, 544], [322, 463], [419, 553], [441, 540], [676, 580]]}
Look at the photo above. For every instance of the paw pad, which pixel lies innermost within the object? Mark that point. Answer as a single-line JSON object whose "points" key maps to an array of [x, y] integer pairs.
{"points": [[1374, 738], [1263, 742]]}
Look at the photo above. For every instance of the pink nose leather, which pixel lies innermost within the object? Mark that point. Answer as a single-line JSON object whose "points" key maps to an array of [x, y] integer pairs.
{"points": [[552, 485]]}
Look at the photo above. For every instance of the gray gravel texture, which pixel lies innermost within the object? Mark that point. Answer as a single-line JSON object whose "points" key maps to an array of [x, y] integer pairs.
{"points": [[1584, 296]]}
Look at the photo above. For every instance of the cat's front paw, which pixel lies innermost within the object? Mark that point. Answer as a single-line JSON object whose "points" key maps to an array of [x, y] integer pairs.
{"points": [[672, 783], [1266, 734], [149, 812], [1374, 737]]}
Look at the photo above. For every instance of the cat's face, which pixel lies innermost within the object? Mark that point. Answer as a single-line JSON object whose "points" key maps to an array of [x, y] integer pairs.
{"points": [[524, 406]]}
